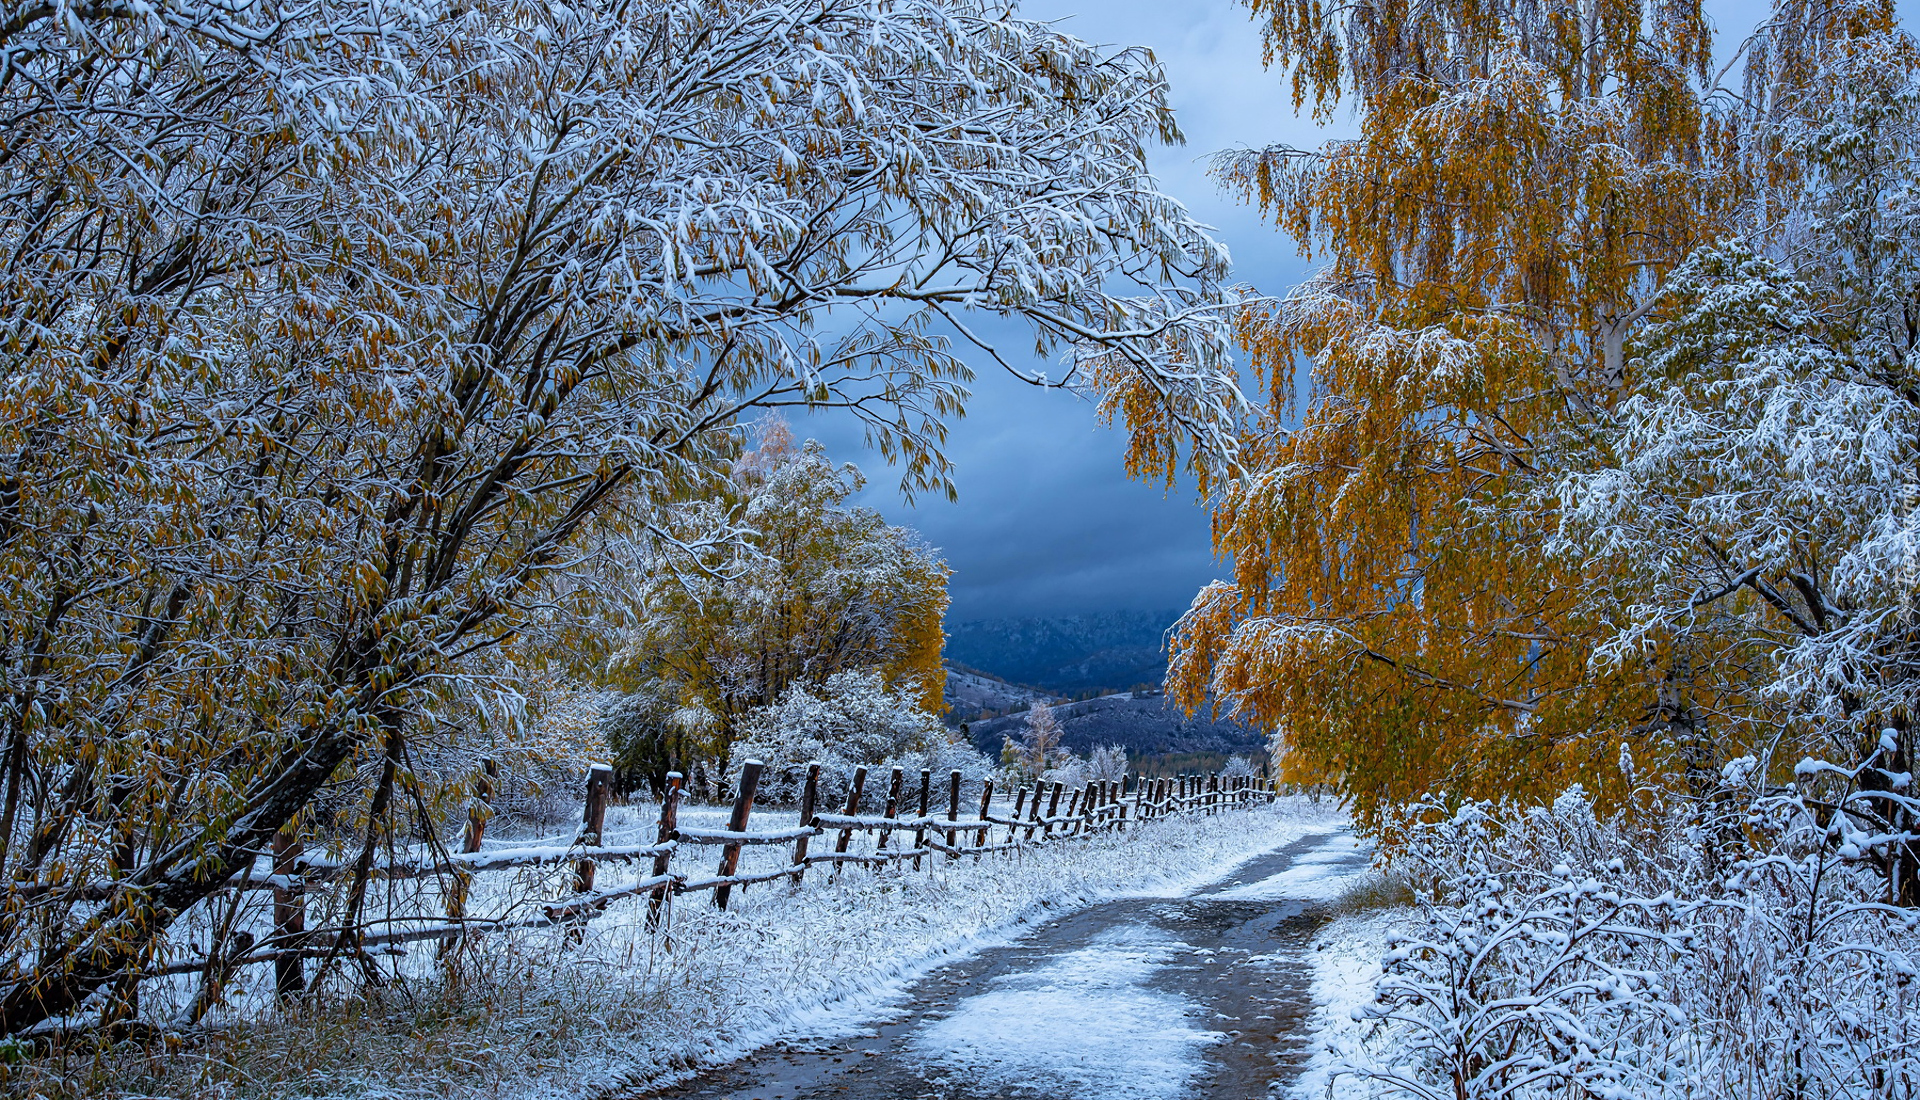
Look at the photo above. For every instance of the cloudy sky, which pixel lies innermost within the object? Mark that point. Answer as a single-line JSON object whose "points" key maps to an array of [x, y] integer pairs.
{"points": [[1047, 523]]}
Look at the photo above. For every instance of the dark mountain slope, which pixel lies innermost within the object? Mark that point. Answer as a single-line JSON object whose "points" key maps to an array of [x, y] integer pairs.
{"points": [[1144, 724], [1070, 655]]}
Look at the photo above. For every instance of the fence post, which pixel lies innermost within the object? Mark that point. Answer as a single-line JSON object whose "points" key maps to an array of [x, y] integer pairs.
{"points": [[478, 811], [953, 814], [1033, 812], [808, 794], [853, 807], [892, 810], [920, 833], [742, 807], [1019, 807], [592, 821], [289, 916], [1053, 810], [986, 807], [669, 821]]}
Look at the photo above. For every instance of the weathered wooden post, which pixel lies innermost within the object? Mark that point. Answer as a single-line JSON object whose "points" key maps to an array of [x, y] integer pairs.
{"points": [[669, 821], [892, 810], [986, 806], [1053, 809], [920, 831], [1033, 812], [953, 814], [592, 821], [853, 807], [737, 823], [808, 795], [479, 810], [289, 916]]}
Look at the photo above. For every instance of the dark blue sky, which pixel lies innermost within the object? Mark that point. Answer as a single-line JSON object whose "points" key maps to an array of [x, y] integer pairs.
{"points": [[1047, 522]]}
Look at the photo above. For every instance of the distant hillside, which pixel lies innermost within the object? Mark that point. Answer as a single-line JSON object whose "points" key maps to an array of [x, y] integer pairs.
{"points": [[1070, 655], [1142, 723], [972, 693]]}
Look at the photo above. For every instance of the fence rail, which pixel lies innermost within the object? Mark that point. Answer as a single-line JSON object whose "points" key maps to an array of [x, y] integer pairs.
{"points": [[1094, 809]]}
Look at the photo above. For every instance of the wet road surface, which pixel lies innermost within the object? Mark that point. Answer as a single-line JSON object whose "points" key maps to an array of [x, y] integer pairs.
{"points": [[1201, 996]]}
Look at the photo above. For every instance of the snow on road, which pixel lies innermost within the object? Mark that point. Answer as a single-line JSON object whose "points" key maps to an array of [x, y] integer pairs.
{"points": [[1181, 996], [1085, 1022], [1320, 875]]}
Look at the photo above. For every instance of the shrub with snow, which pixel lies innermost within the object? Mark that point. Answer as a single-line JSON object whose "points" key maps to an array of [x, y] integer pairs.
{"points": [[1558, 953], [851, 719]]}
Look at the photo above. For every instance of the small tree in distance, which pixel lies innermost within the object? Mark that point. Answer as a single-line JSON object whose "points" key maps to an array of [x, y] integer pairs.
{"points": [[1037, 748], [1107, 765]]}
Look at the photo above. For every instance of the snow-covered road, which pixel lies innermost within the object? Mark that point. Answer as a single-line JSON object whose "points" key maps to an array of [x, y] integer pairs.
{"points": [[1205, 995]]}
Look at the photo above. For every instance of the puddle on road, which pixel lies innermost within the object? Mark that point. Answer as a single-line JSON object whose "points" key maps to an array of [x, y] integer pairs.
{"points": [[1138, 999]]}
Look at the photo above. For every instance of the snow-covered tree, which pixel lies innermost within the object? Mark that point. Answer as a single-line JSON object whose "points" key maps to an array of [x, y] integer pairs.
{"points": [[773, 582], [850, 719], [1107, 765], [1036, 749], [1239, 767], [336, 333], [1511, 245]]}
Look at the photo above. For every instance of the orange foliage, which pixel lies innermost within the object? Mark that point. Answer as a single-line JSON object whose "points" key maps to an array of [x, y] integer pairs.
{"points": [[1526, 174]]}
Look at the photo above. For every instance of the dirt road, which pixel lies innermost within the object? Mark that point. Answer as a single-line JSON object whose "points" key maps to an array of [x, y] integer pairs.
{"points": [[1205, 995]]}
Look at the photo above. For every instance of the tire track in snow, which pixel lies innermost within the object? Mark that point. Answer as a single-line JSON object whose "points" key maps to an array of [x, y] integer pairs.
{"points": [[1201, 996]]}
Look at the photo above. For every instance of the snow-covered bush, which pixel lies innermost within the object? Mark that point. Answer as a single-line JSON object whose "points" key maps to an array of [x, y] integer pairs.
{"points": [[1067, 769], [1108, 765], [1239, 767], [1559, 953], [851, 719]]}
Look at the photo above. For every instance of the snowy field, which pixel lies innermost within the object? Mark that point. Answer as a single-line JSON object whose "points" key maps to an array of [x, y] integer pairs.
{"points": [[532, 1017]]}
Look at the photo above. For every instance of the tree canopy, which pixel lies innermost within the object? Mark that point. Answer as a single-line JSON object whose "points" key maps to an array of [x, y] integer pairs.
{"points": [[773, 584], [337, 334], [1498, 249]]}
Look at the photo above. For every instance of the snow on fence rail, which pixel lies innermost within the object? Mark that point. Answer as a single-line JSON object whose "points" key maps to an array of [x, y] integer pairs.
{"points": [[1099, 807]]}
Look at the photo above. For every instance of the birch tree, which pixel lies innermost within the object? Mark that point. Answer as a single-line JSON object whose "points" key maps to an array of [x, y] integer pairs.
{"points": [[773, 585], [1528, 177]]}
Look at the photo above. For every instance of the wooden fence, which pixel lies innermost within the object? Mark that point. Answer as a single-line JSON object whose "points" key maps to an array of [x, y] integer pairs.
{"points": [[924, 836]]}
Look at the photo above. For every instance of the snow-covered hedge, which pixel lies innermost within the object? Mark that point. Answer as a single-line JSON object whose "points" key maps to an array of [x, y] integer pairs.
{"points": [[1556, 953]]}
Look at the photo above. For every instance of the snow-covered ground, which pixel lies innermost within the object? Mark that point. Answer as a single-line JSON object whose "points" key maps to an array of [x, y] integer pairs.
{"points": [[534, 1017], [1085, 1023], [1346, 961], [832, 954]]}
